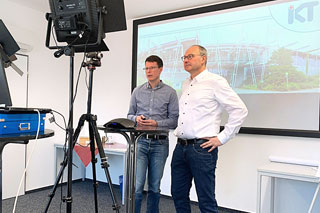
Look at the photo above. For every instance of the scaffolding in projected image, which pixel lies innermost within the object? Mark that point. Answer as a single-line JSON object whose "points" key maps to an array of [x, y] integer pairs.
{"points": [[240, 64], [225, 60], [170, 53]]}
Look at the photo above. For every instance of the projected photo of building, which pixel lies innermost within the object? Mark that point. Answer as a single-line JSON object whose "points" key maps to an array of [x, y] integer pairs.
{"points": [[264, 50]]}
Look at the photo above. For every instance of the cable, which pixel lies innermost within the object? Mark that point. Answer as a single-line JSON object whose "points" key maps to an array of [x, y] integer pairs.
{"points": [[76, 91], [83, 145], [64, 155], [54, 120], [84, 57], [53, 35], [61, 50], [83, 32], [25, 170], [64, 151]]}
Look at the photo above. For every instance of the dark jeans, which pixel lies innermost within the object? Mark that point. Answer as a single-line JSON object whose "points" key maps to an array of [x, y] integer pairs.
{"points": [[151, 156], [193, 162]]}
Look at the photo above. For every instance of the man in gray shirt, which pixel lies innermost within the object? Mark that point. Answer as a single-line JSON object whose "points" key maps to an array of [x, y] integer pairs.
{"points": [[152, 104]]}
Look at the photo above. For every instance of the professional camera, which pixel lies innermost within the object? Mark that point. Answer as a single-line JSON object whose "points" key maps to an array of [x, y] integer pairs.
{"points": [[83, 23]]}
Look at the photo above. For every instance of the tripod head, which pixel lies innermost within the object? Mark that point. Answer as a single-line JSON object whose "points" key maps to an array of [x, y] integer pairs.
{"points": [[94, 60]]}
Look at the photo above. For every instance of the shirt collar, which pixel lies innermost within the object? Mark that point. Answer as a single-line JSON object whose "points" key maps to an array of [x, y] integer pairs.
{"points": [[200, 76], [156, 87]]}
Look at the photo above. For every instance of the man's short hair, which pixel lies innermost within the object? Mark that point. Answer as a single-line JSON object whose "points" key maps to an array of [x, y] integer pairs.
{"points": [[155, 58], [202, 51]]}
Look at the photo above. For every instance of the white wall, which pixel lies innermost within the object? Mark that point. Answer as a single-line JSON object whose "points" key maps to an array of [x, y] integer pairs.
{"points": [[237, 171], [49, 82], [13, 154]]}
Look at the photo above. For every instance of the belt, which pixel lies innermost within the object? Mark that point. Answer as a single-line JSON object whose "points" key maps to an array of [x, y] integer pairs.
{"points": [[189, 141], [155, 137]]}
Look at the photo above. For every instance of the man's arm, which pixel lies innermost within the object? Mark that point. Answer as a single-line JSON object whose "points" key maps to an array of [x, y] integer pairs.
{"points": [[237, 112], [173, 112], [133, 107], [235, 108]]}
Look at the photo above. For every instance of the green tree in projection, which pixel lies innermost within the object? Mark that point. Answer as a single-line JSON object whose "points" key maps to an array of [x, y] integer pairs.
{"points": [[281, 75]]}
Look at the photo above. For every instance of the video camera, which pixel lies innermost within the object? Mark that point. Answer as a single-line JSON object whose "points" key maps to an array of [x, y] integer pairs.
{"points": [[83, 23]]}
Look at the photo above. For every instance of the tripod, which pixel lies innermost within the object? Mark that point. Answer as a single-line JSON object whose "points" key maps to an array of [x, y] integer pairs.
{"points": [[94, 138]]}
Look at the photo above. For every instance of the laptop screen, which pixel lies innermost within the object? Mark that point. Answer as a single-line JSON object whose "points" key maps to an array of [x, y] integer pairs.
{"points": [[5, 98], [7, 42], [8, 48]]}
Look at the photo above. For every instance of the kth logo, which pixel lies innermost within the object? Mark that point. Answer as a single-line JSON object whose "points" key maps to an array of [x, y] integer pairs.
{"points": [[296, 14]]}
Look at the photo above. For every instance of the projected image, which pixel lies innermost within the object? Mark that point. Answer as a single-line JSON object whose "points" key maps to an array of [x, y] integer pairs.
{"points": [[266, 48]]}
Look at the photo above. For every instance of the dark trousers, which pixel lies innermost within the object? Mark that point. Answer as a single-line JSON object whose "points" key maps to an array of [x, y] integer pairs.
{"points": [[193, 162]]}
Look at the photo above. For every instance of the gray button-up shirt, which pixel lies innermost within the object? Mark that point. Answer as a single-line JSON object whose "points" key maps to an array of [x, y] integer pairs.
{"points": [[160, 104]]}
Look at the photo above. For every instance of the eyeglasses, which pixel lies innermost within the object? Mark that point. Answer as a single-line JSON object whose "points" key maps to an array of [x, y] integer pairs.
{"points": [[149, 68], [189, 57]]}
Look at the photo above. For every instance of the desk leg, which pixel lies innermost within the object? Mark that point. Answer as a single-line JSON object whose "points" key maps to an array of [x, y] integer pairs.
{"points": [[128, 180], [124, 180], [1, 149], [272, 195], [132, 174], [130, 171], [1, 179], [259, 193], [314, 198]]}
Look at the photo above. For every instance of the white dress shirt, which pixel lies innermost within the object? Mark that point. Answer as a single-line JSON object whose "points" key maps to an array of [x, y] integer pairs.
{"points": [[201, 104]]}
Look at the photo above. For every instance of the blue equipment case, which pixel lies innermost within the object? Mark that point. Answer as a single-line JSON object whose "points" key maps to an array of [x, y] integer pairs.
{"points": [[17, 121]]}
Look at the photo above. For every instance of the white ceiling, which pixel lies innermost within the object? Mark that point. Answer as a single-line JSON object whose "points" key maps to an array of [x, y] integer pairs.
{"points": [[135, 8]]}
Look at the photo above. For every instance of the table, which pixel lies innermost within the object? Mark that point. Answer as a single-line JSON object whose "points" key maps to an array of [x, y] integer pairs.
{"points": [[286, 171], [22, 138], [84, 153], [132, 136]]}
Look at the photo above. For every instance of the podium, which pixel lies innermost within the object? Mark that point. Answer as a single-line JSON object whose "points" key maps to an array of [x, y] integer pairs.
{"points": [[22, 138], [132, 136]]}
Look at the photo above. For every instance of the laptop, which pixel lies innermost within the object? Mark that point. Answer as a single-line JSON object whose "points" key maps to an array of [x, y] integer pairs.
{"points": [[8, 47], [5, 98]]}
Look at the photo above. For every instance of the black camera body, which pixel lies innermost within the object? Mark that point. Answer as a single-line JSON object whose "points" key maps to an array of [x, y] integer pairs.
{"points": [[75, 21]]}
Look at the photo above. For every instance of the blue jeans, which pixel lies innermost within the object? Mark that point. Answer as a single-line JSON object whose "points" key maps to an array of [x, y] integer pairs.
{"points": [[193, 162], [151, 155]]}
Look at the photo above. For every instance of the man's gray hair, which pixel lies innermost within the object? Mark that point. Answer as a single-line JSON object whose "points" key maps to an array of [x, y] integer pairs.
{"points": [[203, 51]]}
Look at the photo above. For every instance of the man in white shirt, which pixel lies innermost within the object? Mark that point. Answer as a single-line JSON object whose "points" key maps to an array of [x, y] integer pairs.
{"points": [[204, 96]]}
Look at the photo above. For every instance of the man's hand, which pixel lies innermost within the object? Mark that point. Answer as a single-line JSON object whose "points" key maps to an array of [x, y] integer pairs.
{"points": [[141, 120], [212, 142], [149, 122]]}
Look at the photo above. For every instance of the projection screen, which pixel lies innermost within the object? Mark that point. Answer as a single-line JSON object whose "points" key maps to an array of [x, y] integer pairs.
{"points": [[269, 52]]}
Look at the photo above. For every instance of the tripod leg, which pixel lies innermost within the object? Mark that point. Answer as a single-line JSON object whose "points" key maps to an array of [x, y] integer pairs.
{"points": [[78, 129], [104, 163], [93, 162], [65, 162], [51, 195]]}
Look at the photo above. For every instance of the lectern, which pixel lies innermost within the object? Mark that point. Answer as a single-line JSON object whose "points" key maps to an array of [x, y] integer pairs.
{"points": [[132, 135]]}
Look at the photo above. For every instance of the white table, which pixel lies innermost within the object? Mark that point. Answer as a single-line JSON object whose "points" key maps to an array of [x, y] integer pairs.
{"points": [[112, 149], [286, 171]]}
